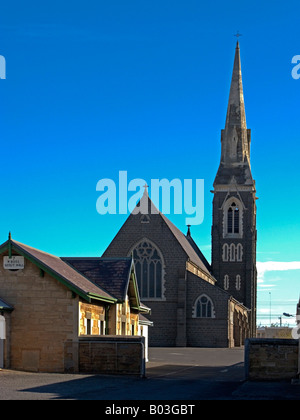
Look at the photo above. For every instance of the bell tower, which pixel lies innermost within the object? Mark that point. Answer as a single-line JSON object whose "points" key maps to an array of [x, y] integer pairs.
{"points": [[234, 233]]}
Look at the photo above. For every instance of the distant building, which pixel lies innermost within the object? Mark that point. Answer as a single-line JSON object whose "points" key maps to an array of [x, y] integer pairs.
{"points": [[274, 332]]}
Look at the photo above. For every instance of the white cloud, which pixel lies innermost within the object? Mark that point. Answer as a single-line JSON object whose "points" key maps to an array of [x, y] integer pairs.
{"points": [[263, 267]]}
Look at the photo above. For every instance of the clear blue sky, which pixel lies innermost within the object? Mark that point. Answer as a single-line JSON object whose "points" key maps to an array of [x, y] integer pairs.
{"points": [[96, 87]]}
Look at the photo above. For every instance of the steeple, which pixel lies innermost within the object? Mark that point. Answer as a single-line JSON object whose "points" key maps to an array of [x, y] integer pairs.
{"points": [[234, 232], [236, 107], [235, 136]]}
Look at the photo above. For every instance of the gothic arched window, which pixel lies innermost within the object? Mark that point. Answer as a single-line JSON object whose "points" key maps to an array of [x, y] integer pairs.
{"points": [[239, 252], [149, 270], [203, 307], [233, 219], [238, 282], [226, 282], [232, 252], [225, 252]]}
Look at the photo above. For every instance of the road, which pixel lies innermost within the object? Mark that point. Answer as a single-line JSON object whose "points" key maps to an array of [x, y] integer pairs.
{"points": [[173, 374]]}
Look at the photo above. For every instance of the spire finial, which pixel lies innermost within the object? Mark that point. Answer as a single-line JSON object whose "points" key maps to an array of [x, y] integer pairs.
{"points": [[237, 37], [146, 188], [189, 230], [9, 236]]}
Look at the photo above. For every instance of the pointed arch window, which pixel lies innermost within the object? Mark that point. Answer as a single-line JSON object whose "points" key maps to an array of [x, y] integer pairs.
{"points": [[203, 307], [225, 252], [232, 252], [233, 218], [149, 270], [238, 282], [239, 256], [226, 282]]}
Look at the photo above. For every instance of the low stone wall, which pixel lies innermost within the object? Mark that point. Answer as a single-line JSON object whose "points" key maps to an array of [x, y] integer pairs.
{"points": [[118, 355], [271, 359]]}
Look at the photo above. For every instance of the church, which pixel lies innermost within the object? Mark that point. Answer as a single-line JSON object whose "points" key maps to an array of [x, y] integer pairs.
{"points": [[193, 302]]}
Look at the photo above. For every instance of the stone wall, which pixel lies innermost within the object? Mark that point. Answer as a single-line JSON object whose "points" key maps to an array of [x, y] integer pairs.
{"points": [[168, 313], [45, 316], [271, 359], [112, 355], [207, 332]]}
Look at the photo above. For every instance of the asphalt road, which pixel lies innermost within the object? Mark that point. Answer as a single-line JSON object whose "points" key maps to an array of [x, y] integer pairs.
{"points": [[173, 374]]}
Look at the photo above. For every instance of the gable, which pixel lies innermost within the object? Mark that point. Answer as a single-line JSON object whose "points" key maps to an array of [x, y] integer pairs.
{"points": [[135, 228], [58, 269]]}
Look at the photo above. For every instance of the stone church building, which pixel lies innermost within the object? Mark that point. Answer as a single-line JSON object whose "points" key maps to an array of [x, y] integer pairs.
{"points": [[192, 302]]}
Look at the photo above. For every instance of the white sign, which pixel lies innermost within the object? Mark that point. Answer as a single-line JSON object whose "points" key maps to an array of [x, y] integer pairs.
{"points": [[2, 327], [13, 263]]}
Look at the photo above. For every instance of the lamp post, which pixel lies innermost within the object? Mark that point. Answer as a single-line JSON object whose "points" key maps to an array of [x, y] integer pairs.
{"points": [[270, 310]]}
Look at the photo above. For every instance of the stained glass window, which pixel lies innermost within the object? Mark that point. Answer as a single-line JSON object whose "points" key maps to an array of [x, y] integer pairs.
{"points": [[148, 265]]}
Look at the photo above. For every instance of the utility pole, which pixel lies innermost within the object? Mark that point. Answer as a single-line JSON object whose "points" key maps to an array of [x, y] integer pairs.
{"points": [[270, 309]]}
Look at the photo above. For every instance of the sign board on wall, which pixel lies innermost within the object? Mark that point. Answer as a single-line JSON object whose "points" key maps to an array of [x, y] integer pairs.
{"points": [[14, 262], [2, 327]]}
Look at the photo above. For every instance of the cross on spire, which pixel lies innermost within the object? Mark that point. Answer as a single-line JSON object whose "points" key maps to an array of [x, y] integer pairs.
{"points": [[238, 35], [146, 188]]}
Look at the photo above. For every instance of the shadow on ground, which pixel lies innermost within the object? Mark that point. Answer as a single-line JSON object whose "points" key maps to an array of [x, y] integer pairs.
{"points": [[164, 382]]}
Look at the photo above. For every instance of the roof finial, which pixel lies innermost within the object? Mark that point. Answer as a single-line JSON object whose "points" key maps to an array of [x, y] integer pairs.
{"points": [[146, 188], [9, 236], [237, 37], [189, 230]]}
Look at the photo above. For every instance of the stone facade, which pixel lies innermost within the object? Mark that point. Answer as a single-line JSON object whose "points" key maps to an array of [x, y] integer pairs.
{"points": [[240, 270], [44, 318], [112, 355], [271, 359], [164, 317], [174, 314]]}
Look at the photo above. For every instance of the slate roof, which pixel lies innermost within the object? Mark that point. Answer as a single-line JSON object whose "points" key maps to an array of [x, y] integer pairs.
{"points": [[112, 274], [193, 252], [57, 267], [187, 247], [198, 252]]}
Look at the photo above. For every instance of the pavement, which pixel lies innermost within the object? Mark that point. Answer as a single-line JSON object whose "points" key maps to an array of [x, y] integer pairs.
{"points": [[172, 374]]}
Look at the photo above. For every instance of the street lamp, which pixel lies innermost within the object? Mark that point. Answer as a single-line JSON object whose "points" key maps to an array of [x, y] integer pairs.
{"points": [[288, 315]]}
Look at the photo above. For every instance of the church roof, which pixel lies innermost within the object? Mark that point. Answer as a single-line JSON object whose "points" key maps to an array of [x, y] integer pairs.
{"points": [[187, 246], [193, 252], [198, 251]]}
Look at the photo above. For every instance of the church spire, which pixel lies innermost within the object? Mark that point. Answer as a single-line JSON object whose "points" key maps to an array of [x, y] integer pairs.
{"points": [[235, 136], [236, 108]]}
